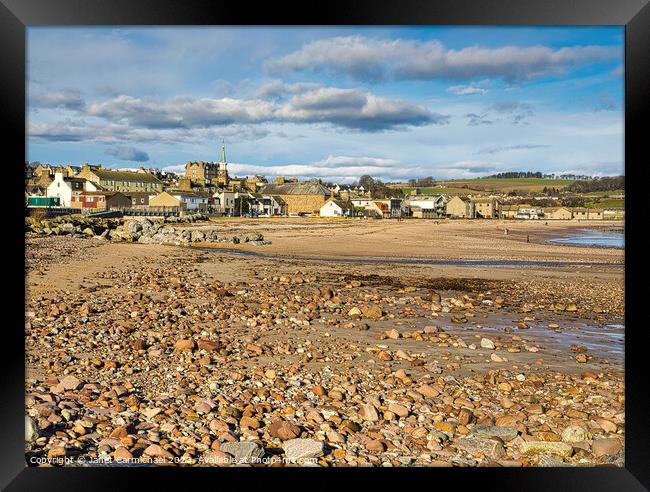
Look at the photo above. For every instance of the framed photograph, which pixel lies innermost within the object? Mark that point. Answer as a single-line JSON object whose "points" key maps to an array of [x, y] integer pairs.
{"points": [[371, 236]]}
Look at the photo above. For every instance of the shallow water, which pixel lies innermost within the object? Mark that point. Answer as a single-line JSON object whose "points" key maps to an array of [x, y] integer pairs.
{"points": [[409, 260], [589, 237], [605, 341]]}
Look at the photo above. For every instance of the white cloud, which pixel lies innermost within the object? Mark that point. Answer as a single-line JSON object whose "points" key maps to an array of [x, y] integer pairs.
{"points": [[277, 89], [61, 99], [349, 108], [353, 108], [373, 59], [349, 161]]}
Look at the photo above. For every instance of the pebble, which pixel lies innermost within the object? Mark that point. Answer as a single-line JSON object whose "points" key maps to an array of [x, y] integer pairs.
{"points": [[303, 449], [547, 447], [243, 452], [574, 433], [284, 430], [490, 431], [31, 429], [486, 343], [491, 448], [606, 447]]}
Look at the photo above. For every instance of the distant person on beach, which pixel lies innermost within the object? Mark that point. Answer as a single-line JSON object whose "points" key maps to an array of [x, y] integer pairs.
{"points": [[505, 231], [527, 238]]}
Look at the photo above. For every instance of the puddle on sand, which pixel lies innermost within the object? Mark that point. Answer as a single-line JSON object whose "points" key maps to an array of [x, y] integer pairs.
{"points": [[607, 341]]}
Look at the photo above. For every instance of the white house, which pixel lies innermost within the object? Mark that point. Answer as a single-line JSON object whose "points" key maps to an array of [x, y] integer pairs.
{"points": [[534, 213], [63, 188], [191, 200], [361, 202], [226, 201], [431, 202], [268, 205], [336, 208], [231, 201]]}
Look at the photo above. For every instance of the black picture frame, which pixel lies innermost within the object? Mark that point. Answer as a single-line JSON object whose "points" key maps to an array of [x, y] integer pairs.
{"points": [[17, 15]]}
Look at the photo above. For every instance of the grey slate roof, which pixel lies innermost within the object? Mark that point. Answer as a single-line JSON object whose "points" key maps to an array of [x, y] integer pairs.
{"points": [[301, 188]]}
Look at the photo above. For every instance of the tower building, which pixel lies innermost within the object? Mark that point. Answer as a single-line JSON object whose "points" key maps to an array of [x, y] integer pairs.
{"points": [[204, 173]]}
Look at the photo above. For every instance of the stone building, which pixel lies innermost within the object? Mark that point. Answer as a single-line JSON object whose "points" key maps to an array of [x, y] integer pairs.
{"points": [[255, 183], [426, 206], [204, 173], [582, 213], [179, 199], [122, 181], [300, 197], [460, 208], [557, 213], [508, 211], [486, 208]]}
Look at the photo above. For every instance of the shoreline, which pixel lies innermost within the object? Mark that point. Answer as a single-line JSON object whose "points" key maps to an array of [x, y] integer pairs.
{"points": [[459, 262]]}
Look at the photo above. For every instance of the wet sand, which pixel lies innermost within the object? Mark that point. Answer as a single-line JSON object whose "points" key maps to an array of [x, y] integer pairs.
{"points": [[442, 239]]}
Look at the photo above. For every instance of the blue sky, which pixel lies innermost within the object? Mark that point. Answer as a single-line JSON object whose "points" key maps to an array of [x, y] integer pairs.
{"points": [[334, 103]]}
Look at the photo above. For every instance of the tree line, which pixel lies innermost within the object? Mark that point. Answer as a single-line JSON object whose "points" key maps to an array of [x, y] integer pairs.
{"points": [[377, 187], [609, 183]]}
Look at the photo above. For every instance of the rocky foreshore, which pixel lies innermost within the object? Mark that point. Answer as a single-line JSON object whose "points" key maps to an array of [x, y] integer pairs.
{"points": [[160, 361], [137, 229]]}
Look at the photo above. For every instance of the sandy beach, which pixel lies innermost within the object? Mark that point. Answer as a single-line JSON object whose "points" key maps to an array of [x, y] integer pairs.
{"points": [[427, 238], [272, 349]]}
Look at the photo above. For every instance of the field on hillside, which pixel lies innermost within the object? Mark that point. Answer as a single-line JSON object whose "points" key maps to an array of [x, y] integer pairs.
{"points": [[503, 185], [606, 203], [508, 184], [606, 194], [449, 190]]}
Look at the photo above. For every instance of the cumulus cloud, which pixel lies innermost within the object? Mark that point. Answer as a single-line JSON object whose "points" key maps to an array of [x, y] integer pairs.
{"points": [[182, 112], [374, 59], [64, 131], [128, 154], [277, 89], [80, 130], [356, 109], [64, 99], [349, 108], [506, 148]]}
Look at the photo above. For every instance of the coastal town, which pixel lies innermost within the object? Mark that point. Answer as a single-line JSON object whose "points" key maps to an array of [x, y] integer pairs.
{"points": [[207, 187]]}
